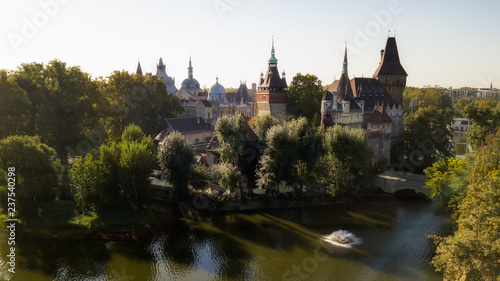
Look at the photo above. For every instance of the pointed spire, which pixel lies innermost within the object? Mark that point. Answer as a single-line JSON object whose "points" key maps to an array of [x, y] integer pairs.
{"points": [[139, 68], [273, 58], [190, 68], [344, 70], [491, 85]]}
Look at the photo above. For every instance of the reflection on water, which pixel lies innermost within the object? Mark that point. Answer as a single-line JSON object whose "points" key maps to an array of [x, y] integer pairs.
{"points": [[342, 238], [389, 243]]}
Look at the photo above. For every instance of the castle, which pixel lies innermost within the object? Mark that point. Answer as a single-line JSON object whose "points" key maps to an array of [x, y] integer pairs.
{"points": [[373, 104]]}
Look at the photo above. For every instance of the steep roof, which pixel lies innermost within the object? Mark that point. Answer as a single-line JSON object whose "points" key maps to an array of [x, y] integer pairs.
{"points": [[390, 64], [272, 80], [242, 95], [371, 92], [139, 69], [379, 115], [189, 124]]}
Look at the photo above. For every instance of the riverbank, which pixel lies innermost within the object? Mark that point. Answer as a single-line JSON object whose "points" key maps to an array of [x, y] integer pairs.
{"points": [[118, 223]]}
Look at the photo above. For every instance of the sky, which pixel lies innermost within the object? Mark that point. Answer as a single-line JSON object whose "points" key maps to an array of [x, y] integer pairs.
{"points": [[450, 43]]}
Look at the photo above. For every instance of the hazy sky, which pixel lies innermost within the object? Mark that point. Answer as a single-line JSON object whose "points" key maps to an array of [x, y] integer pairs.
{"points": [[444, 42]]}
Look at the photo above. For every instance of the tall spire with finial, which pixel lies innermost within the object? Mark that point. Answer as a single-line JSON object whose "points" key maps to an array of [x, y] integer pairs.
{"points": [[139, 68], [273, 58], [344, 70], [190, 68]]}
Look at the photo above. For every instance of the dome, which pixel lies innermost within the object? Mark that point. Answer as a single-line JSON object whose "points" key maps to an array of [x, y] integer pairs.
{"points": [[169, 82], [190, 84], [217, 93]]}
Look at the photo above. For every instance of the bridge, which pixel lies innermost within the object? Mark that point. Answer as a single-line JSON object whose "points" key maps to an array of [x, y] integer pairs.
{"points": [[392, 181]]}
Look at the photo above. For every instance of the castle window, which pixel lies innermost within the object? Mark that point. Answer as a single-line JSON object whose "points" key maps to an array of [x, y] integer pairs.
{"points": [[196, 140], [264, 98]]}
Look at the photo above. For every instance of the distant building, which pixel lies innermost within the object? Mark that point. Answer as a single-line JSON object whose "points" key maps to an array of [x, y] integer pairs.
{"points": [[272, 90], [194, 129], [461, 124]]}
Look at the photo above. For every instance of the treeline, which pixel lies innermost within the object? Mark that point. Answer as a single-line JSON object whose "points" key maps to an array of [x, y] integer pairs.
{"points": [[74, 113]]}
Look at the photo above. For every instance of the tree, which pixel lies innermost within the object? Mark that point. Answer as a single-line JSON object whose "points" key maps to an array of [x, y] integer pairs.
{"points": [[473, 251], [14, 108], [176, 157], [346, 160], [304, 97], [65, 102], [35, 166], [135, 166], [121, 171], [262, 124], [228, 175], [485, 121], [88, 176], [138, 99], [291, 156], [459, 106], [427, 137], [426, 97]]}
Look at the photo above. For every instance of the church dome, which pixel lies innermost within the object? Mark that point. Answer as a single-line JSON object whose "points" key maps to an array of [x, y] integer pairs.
{"points": [[190, 84], [217, 92]]}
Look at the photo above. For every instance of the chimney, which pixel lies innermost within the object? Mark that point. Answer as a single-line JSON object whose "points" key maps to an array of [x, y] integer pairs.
{"points": [[199, 120], [381, 55]]}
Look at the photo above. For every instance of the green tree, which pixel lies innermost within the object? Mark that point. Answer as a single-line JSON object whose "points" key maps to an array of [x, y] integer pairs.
{"points": [[138, 99], [88, 176], [459, 106], [304, 97], [485, 121], [426, 97], [428, 137], [228, 175], [346, 160], [64, 103], [176, 157], [135, 166], [35, 167], [293, 150], [14, 108], [262, 125], [473, 251]]}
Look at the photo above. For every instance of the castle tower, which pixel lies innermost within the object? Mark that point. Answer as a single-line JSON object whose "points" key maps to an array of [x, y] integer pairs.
{"points": [[390, 73], [272, 90], [139, 68], [169, 81]]}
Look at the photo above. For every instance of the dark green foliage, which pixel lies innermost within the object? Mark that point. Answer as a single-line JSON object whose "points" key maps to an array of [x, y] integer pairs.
{"points": [[35, 172], [485, 121], [121, 173], [176, 158], [304, 97], [142, 100], [14, 108], [291, 156], [346, 162], [427, 137]]}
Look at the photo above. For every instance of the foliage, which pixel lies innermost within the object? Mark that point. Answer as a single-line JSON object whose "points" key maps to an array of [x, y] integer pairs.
{"points": [[304, 97], [201, 176], [14, 109], [459, 106], [346, 158], [428, 136], [227, 174], [426, 97], [121, 171], [473, 252], [447, 180], [88, 176], [64, 103], [262, 125], [485, 121], [293, 150], [138, 99], [176, 157], [35, 172], [231, 132], [135, 166]]}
